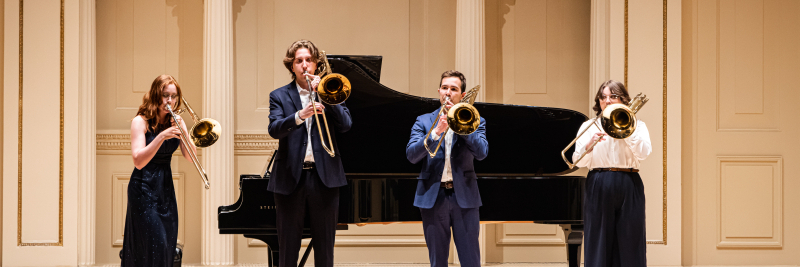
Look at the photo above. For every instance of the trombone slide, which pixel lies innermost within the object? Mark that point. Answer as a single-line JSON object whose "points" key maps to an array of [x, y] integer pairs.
{"points": [[183, 138], [436, 122], [324, 118]]}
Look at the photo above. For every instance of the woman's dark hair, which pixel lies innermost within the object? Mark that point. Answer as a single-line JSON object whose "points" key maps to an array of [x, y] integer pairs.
{"points": [[616, 88]]}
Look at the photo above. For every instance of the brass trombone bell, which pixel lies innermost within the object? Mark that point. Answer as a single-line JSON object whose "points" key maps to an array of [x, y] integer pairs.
{"points": [[618, 121], [333, 89], [205, 132], [463, 118]]}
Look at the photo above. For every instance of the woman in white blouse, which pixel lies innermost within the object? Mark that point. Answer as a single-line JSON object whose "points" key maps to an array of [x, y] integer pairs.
{"points": [[614, 219]]}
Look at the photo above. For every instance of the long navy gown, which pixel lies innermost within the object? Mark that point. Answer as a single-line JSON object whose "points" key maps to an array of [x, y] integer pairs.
{"points": [[151, 223]]}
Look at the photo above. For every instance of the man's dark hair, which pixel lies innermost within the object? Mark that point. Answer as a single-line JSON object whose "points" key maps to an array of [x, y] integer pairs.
{"points": [[454, 73]]}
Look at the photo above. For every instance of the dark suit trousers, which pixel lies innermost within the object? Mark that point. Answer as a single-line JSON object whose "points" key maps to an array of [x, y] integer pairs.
{"points": [[436, 223], [322, 205], [614, 220]]}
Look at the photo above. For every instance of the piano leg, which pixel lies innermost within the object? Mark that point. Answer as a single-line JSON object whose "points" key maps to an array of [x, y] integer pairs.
{"points": [[305, 254], [574, 235]]}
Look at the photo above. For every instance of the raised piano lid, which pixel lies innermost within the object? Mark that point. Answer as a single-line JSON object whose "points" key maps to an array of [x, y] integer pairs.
{"points": [[523, 140]]}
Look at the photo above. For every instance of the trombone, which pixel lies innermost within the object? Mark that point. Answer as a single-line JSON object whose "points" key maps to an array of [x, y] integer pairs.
{"points": [[333, 89], [463, 118], [205, 132], [618, 121]]}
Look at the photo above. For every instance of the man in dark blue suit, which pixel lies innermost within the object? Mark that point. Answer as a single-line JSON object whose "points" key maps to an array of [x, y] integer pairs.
{"points": [[305, 178], [447, 190]]}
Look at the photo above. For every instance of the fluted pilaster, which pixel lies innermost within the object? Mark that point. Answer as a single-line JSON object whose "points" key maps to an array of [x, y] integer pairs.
{"points": [[600, 47], [86, 133], [471, 60], [471, 43], [218, 103]]}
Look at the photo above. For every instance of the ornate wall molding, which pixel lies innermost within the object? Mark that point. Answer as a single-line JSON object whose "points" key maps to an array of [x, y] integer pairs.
{"points": [[113, 142], [60, 242], [243, 144], [663, 241]]}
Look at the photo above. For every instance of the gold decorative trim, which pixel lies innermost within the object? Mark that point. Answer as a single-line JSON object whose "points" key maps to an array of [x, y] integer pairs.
{"points": [[663, 112], [113, 136], [625, 73], [238, 137], [61, 142], [664, 122], [247, 143], [19, 135], [241, 142], [113, 142]]}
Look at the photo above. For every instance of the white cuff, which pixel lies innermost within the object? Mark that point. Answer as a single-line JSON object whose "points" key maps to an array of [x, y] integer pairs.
{"points": [[297, 119]]}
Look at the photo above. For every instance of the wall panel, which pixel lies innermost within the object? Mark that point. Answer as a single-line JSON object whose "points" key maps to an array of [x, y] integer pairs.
{"points": [[744, 66], [746, 102], [39, 155], [41, 108], [541, 54], [136, 42], [529, 234], [119, 195], [750, 202]]}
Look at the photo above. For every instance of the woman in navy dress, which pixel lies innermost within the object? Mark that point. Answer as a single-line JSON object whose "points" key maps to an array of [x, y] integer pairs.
{"points": [[151, 222]]}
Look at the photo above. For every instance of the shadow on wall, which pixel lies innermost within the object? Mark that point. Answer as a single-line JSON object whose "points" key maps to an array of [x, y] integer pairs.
{"points": [[496, 12]]}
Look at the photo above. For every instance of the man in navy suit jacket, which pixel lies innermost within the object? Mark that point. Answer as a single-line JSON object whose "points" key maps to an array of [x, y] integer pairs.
{"points": [[304, 174], [447, 190]]}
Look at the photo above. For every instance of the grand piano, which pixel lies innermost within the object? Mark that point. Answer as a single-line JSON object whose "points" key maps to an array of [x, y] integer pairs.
{"points": [[523, 179]]}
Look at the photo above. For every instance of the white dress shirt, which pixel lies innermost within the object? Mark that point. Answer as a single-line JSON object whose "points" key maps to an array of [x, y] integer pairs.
{"points": [[305, 102], [447, 174], [613, 153]]}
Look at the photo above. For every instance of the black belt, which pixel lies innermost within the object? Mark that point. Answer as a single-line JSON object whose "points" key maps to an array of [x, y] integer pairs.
{"points": [[447, 185], [615, 170], [309, 165]]}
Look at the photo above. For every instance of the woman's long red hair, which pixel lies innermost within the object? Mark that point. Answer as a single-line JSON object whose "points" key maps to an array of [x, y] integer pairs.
{"points": [[152, 100]]}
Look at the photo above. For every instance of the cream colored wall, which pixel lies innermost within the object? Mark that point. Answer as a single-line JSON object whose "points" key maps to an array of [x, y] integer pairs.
{"points": [[137, 41], [653, 68], [740, 85], [537, 54], [46, 167]]}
